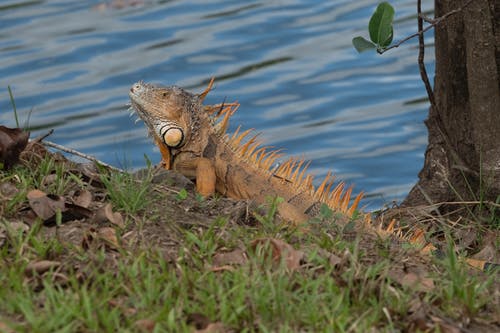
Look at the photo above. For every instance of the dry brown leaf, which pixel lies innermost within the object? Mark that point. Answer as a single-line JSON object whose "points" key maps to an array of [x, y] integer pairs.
{"points": [[40, 267], [281, 251], [145, 325], [413, 280], [45, 206], [334, 260], [12, 143], [74, 212], [445, 327], [17, 226], [82, 198], [108, 235], [235, 257], [8, 190], [105, 213], [489, 252]]}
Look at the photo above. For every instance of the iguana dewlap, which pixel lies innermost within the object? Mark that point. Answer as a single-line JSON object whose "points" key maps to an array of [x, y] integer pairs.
{"points": [[192, 139]]}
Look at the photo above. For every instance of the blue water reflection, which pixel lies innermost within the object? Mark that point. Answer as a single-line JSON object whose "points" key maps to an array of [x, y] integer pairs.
{"points": [[289, 63]]}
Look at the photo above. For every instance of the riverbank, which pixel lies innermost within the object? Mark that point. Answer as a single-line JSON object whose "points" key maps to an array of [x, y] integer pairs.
{"points": [[83, 248]]}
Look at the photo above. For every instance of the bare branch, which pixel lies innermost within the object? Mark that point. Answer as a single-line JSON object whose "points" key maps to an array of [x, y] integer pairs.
{"points": [[79, 154], [433, 22], [421, 54]]}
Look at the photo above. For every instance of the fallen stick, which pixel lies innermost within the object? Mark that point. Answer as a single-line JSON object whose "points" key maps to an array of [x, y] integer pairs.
{"points": [[79, 154]]}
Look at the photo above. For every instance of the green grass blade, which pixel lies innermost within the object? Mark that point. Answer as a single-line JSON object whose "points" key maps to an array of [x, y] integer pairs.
{"points": [[13, 105]]}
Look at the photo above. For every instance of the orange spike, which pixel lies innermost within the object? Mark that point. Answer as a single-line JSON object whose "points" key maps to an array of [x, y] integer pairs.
{"points": [[289, 167], [327, 193], [429, 248], [207, 90], [235, 134], [418, 237], [321, 188], [251, 150], [296, 171], [248, 144], [270, 159], [281, 170], [263, 152], [390, 227], [237, 140], [335, 196], [225, 120], [278, 168], [301, 175], [345, 200], [210, 109], [308, 182], [355, 204]]}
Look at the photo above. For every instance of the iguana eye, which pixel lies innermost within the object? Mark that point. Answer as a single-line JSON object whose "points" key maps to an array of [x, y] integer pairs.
{"points": [[172, 135]]}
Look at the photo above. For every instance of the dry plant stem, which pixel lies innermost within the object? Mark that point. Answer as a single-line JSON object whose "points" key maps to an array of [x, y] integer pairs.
{"points": [[79, 154], [486, 203]]}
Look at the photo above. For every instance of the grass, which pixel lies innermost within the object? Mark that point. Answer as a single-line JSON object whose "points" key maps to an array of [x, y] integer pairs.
{"points": [[125, 191], [164, 274]]}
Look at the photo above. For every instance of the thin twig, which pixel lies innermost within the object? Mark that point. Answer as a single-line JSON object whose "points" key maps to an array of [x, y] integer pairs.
{"points": [[487, 203], [433, 22], [421, 54], [77, 153], [43, 136]]}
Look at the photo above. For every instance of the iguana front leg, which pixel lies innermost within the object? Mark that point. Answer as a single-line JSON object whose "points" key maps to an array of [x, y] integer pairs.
{"points": [[203, 170], [165, 154]]}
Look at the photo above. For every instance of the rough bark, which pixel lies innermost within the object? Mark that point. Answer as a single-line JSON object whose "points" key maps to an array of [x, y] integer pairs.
{"points": [[462, 160]]}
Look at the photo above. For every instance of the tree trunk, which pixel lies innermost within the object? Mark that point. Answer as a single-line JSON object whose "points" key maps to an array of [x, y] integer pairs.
{"points": [[462, 160]]}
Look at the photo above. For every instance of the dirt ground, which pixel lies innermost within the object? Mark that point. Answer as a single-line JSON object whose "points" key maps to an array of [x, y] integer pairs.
{"points": [[89, 222]]}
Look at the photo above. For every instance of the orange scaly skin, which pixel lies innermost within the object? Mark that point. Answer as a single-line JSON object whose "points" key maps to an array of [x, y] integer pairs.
{"points": [[192, 140], [226, 165]]}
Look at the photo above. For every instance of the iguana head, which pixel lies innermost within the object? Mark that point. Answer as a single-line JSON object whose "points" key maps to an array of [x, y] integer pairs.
{"points": [[167, 111]]}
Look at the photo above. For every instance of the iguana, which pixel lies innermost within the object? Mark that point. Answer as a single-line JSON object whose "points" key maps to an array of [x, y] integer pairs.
{"points": [[192, 139]]}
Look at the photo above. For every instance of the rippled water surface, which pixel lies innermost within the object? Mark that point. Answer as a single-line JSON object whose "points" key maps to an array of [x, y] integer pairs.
{"points": [[289, 63]]}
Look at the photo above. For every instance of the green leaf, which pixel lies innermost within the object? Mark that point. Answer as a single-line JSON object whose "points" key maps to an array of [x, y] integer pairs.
{"points": [[362, 44], [325, 212], [380, 26], [182, 195]]}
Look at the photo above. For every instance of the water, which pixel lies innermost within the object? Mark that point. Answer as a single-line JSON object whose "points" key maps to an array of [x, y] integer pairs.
{"points": [[289, 63]]}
